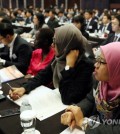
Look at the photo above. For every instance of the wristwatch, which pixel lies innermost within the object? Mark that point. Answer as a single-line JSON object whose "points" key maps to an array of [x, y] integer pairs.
{"points": [[84, 124], [67, 67]]}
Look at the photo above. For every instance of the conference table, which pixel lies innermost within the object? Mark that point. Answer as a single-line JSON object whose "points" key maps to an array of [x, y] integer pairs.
{"points": [[11, 125], [98, 39], [19, 29]]}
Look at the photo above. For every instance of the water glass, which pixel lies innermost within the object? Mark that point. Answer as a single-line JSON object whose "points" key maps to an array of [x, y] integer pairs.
{"points": [[28, 121]]}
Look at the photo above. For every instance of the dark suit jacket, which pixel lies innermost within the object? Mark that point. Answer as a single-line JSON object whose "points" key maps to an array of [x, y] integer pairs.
{"points": [[109, 28], [74, 85], [109, 39], [28, 20], [4, 52], [20, 56], [92, 26], [53, 23]]}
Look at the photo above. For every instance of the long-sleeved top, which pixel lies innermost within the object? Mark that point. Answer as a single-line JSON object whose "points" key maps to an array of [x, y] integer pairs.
{"points": [[88, 108], [53, 23], [37, 64], [74, 85], [36, 30]]}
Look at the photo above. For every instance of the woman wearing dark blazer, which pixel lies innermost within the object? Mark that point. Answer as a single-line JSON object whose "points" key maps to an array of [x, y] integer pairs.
{"points": [[104, 102], [70, 71]]}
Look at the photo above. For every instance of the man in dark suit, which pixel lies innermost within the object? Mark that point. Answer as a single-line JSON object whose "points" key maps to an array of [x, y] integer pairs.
{"points": [[116, 29], [91, 24], [106, 24], [53, 21], [19, 51], [29, 15]]}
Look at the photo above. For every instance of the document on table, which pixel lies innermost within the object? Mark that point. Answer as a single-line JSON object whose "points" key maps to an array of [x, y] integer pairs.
{"points": [[10, 73], [29, 39], [45, 102], [74, 131]]}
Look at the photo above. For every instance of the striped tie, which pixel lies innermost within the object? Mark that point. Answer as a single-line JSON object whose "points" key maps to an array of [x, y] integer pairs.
{"points": [[115, 38]]}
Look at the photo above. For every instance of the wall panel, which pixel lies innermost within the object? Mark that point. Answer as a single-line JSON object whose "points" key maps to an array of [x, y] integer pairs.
{"points": [[38, 3], [71, 3], [86, 4], [47, 3]]}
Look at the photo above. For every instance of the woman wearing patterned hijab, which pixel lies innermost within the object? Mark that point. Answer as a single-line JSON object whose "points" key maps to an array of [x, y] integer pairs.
{"points": [[105, 100], [70, 71]]}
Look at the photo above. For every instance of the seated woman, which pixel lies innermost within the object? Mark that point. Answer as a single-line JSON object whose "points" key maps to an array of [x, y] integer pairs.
{"points": [[70, 71], [39, 22], [42, 56], [105, 100]]}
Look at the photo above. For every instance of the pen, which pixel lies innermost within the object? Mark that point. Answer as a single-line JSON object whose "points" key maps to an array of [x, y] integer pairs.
{"points": [[13, 90], [9, 86]]}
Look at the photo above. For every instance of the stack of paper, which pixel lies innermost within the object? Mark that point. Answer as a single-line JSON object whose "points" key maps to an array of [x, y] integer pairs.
{"points": [[10, 73], [74, 131], [45, 102]]}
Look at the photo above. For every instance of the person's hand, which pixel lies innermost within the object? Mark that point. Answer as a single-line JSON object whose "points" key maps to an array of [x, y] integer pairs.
{"points": [[72, 57], [16, 93], [78, 115], [26, 35], [72, 117], [68, 119], [28, 76]]}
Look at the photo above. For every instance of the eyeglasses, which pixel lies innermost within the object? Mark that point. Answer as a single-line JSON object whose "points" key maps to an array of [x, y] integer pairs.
{"points": [[100, 61]]}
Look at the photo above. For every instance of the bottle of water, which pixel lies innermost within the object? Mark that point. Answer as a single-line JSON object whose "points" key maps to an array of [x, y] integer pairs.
{"points": [[28, 118], [25, 106]]}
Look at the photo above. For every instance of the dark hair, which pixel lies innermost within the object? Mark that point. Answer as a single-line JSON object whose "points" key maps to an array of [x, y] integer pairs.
{"points": [[89, 11], [6, 20], [44, 39], [53, 11], [41, 19], [79, 19], [15, 13], [30, 11], [108, 16], [47, 10], [61, 11], [118, 18], [5, 29]]}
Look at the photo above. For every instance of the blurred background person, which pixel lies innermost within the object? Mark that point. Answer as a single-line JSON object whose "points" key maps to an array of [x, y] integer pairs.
{"points": [[79, 22], [39, 22], [53, 21], [91, 24]]}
